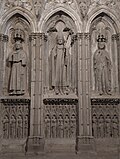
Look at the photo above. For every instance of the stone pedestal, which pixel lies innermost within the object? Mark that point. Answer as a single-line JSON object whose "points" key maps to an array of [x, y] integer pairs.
{"points": [[85, 147], [35, 144]]}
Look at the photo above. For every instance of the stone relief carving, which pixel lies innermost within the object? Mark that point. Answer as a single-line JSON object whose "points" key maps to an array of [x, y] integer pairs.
{"points": [[102, 68], [84, 7], [20, 3], [61, 60], [52, 3], [17, 62], [15, 119], [60, 121], [105, 121], [37, 7]]}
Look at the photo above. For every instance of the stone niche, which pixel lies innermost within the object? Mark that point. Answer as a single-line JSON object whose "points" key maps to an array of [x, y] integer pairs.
{"points": [[15, 100], [104, 78], [60, 82], [104, 60]]}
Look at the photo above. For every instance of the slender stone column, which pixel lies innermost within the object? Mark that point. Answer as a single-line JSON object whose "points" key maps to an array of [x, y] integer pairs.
{"points": [[85, 141], [118, 49], [36, 138], [3, 41], [114, 57]]}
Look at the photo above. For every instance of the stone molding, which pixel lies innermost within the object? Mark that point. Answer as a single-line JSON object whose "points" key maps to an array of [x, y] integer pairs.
{"points": [[14, 100], [105, 101], [58, 101]]}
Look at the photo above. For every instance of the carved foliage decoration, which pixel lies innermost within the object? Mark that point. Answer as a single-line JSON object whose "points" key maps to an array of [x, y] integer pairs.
{"points": [[60, 56], [105, 120], [60, 121], [15, 119], [27, 4], [53, 3]]}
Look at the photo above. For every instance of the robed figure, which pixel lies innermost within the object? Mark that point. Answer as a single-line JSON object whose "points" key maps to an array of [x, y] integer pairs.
{"points": [[17, 60], [60, 66], [102, 68]]}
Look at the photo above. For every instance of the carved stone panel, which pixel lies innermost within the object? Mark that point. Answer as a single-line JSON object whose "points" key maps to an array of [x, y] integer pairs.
{"points": [[105, 118], [60, 119], [15, 118]]}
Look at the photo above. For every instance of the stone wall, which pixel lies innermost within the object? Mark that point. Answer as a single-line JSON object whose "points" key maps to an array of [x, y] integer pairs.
{"points": [[59, 74]]}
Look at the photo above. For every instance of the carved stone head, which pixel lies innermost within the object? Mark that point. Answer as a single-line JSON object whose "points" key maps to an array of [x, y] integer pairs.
{"points": [[19, 35], [101, 41]]}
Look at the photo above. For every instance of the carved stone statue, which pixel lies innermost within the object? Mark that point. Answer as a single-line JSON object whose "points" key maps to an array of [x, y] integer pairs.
{"points": [[95, 126], [53, 127], [60, 66], [101, 129], [102, 68], [19, 127], [66, 127], [12, 127], [108, 126], [5, 127], [47, 127], [17, 60], [115, 126], [26, 126], [60, 127]]}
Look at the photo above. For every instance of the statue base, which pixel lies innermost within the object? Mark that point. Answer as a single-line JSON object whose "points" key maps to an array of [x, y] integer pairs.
{"points": [[85, 147], [35, 144]]}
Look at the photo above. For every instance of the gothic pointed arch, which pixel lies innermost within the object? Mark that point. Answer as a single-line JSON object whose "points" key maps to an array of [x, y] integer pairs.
{"points": [[73, 15]]}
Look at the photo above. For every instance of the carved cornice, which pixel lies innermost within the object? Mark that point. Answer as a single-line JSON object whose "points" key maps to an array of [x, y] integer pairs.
{"points": [[105, 101], [15, 100], [58, 101], [79, 36], [3, 38]]}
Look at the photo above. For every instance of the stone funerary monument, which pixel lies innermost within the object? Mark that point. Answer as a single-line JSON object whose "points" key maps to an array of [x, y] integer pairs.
{"points": [[59, 75]]}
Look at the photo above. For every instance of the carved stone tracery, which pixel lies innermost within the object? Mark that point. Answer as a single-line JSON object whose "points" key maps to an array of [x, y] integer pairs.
{"points": [[15, 118], [60, 119], [105, 118]]}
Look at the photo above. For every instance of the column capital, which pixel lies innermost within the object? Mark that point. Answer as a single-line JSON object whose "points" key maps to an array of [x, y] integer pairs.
{"points": [[79, 36], [87, 36], [34, 36], [3, 38]]}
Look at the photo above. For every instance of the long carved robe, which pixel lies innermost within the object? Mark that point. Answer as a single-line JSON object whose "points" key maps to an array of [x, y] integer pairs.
{"points": [[59, 68], [17, 81], [102, 70]]}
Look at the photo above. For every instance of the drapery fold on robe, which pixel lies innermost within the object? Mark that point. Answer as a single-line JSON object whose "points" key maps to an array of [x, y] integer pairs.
{"points": [[17, 81]]}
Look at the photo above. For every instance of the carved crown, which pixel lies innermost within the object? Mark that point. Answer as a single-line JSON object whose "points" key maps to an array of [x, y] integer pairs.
{"points": [[101, 38], [19, 34]]}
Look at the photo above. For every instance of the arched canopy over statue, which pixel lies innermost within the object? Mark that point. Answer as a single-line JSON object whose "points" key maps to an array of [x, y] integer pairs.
{"points": [[17, 62]]}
